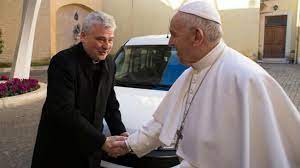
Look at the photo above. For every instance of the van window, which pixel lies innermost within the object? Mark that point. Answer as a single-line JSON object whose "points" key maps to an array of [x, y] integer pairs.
{"points": [[173, 69], [155, 67]]}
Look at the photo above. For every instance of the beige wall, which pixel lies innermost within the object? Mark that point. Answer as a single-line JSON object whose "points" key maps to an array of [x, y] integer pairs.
{"points": [[55, 6], [298, 34], [290, 6], [297, 50], [153, 17], [136, 18], [41, 44], [122, 12], [241, 30], [285, 7], [92, 4], [65, 24], [45, 36], [10, 18]]}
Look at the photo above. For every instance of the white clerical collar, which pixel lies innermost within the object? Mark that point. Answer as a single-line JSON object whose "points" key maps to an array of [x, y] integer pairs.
{"points": [[209, 58], [95, 61]]}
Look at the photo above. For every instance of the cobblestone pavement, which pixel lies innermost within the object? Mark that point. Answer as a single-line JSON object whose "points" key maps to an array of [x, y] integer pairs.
{"points": [[18, 125], [288, 76], [41, 75], [18, 128]]}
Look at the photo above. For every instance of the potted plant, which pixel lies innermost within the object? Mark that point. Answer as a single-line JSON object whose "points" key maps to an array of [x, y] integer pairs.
{"points": [[291, 57], [17, 86]]}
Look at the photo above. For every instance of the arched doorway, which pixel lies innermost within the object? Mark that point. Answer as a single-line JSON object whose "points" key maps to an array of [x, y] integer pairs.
{"points": [[68, 24]]}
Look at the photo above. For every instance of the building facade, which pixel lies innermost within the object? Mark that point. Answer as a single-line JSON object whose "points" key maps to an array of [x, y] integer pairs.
{"points": [[266, 30]]}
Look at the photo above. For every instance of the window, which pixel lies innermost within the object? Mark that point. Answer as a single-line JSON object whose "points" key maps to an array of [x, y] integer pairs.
{"points": [[148, 66]]}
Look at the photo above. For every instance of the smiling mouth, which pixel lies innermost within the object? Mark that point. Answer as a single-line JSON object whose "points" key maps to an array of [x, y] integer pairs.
{"points": [[102, 52]]}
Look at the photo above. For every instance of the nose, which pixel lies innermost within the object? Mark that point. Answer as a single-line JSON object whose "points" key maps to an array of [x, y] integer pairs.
{"points": [[106, 45]]}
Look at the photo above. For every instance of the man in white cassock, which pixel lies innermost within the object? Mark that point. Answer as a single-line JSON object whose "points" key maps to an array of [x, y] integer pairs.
{"points": [[225, 111]]}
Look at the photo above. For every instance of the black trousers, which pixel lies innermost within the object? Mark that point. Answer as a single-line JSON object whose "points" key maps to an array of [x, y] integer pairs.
{"points": [[95, 159]]}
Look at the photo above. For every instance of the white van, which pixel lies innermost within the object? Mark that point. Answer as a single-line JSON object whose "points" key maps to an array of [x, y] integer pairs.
{"points": [[146, 68]]}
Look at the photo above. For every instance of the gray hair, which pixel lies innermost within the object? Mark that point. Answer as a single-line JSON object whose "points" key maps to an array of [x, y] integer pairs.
{"points": [[98, 18], [212, 30]]}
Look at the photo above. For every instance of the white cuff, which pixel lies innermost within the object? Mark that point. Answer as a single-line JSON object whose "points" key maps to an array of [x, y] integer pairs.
{"points": [[128, 146]]}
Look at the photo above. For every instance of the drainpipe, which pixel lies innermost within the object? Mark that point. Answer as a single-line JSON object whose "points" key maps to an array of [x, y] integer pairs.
{"points": [[297, 46], [132, 34], [297, 34]]}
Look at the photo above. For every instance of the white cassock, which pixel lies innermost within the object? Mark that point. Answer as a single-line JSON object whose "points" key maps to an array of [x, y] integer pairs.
{"points": [[240, 117]]}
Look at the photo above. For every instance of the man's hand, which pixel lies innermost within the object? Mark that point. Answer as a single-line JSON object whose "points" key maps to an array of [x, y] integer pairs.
{"points": [[126, 134], [115, 146], [123, 148]]}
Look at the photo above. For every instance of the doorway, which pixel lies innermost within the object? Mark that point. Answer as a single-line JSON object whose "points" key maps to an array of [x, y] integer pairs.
{"points": [[275, 36]]}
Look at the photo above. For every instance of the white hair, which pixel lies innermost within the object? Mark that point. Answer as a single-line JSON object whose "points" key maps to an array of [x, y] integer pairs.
{"points": [[98, 18], [212, 30]]}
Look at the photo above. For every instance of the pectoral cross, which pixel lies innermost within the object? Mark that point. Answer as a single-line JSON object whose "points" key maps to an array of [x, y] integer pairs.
{"points": [[179, 137]]}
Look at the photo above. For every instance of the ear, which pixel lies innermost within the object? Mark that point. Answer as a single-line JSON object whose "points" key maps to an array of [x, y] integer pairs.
{"points": [[199, 37], [83, 36]]}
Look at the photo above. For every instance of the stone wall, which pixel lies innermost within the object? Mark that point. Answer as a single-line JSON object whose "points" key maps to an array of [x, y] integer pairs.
{"points": [[10, 18]]}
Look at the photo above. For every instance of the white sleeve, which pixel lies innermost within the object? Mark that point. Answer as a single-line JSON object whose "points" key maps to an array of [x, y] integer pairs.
{"points": [[184, 164], [146, 138]]}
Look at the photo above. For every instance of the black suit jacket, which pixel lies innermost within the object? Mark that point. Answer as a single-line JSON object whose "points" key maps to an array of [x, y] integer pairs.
{"points": [[70, 129]]}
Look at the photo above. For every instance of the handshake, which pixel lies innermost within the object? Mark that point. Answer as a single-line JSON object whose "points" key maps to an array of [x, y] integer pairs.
{"points": [[116, 146]]}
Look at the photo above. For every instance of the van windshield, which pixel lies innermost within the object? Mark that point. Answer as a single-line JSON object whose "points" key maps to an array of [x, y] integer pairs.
{"points": [[151, 67]]}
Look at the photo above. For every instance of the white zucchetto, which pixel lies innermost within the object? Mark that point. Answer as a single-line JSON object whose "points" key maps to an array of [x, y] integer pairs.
{"points": [[201, 8]]}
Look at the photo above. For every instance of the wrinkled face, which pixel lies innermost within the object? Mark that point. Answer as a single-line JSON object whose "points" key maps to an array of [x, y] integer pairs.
{"points": [[98, 41], [182, 40]]}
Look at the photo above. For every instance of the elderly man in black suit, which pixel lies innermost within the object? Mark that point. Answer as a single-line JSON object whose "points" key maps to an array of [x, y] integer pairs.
{"points": [[80, 95]]}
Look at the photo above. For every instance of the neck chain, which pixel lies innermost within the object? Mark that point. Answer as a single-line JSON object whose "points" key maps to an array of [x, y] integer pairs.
{"points": [[188, 105]]}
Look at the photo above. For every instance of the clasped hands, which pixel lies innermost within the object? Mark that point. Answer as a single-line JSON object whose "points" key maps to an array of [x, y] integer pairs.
{"points": [[115, 145]]}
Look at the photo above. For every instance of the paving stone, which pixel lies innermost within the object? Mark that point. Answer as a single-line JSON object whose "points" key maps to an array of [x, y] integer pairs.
{"points": [[18, 126]]}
